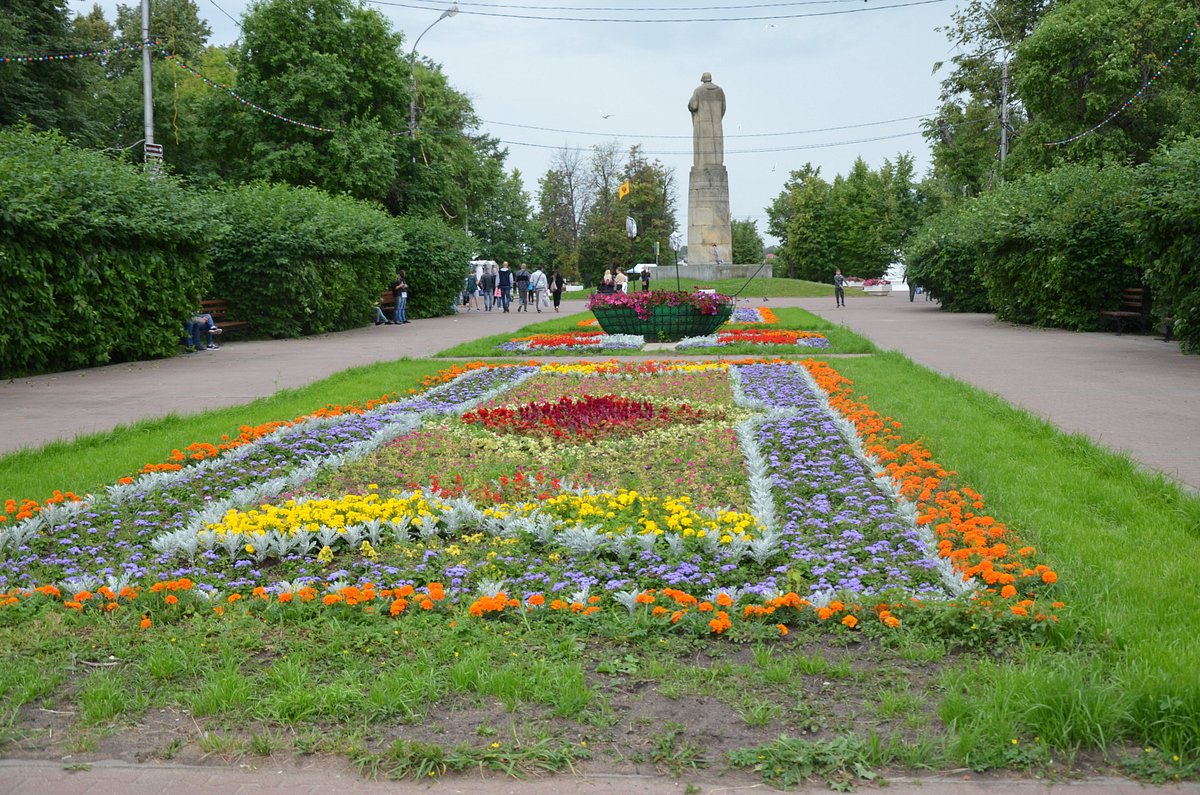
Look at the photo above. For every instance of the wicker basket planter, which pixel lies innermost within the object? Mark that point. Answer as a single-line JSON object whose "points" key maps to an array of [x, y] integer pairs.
{"points": [[664, 322]]}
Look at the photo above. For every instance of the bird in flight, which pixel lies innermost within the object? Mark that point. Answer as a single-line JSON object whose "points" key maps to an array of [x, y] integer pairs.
{"points": [[608, 115]]}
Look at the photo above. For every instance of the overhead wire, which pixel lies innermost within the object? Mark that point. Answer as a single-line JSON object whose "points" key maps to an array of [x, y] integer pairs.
{"points": [[651, 21]]}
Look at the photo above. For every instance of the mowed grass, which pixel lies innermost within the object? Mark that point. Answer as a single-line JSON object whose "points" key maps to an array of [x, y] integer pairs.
{"points": [[1121, 674], [841, 339]]}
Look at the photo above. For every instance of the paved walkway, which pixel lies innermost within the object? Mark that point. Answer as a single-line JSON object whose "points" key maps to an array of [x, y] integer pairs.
{"points": [[1130, 393]]}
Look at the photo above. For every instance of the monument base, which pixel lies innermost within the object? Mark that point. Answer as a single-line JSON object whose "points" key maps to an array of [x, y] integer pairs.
{"points": [[708, 216]]}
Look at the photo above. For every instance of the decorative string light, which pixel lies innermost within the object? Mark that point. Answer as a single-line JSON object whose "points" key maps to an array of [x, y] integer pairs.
{"points": [[245, 102], [74, 56], [1125, 105]]}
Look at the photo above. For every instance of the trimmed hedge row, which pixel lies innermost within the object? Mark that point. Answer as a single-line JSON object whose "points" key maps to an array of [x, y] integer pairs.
{"points": [[1168, 228], [102, 264], [1057, 248], [1052, 249], [98, 263]]}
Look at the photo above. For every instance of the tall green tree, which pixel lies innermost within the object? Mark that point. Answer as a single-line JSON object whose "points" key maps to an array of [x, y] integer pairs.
{"points": [[45, 94], [1086, 58], [748, 247], [801, 218], [505, 229], [603, 242], [563, 203]]}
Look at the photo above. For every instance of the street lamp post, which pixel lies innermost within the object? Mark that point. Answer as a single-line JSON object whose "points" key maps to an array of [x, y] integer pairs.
{"points": [[412, 73]]}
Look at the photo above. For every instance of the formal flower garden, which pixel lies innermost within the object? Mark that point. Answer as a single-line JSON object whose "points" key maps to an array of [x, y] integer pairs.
{"points": [[711, 497]]}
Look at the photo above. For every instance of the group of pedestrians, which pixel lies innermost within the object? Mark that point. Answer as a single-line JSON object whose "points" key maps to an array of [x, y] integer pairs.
{"points": [[499, 287], [619, 282]]}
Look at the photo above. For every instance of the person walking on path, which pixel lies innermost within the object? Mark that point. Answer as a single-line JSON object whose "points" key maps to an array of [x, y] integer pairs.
{"points": [[471, 287], [522, 280], [839, 288], [645, 280], [487, 286], [504, 283], [557, 285], [621, 281], [537, 288], [400, 294]]}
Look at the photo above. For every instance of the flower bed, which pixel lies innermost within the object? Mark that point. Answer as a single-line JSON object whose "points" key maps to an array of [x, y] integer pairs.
{"points": [[803, 339], [710, 496], [572, 341], [754, 314]]}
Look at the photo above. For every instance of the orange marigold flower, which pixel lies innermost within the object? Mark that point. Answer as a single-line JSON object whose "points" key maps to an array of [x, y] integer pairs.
{"points": [[645, 599], [705, 607], [233, 597], [1049, 577], [331, 599], [285, 597], [824, 614], [1008, 592], [850, 621], [171, 599], [783, 630], [659, 610], [537, 600], [146, 622], [426, 604], [405, 591], [558, 604], [837, 607], [724, 600], [891, 621], [73, 605], [219, 610], [397, 607]]}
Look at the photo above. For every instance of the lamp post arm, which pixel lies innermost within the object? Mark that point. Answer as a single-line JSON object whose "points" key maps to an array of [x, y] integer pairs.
{"points": [[412, 70]]}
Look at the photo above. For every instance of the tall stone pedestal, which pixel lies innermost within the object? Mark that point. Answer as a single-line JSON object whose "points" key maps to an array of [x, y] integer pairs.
{"points": [[708, 216]]}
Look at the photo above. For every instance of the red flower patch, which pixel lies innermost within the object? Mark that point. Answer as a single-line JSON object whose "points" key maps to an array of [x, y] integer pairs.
{"points": [[586, 418]]}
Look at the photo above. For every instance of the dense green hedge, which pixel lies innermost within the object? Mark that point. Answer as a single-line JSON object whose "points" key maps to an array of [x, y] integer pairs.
{"points": [[101, 264], [947, 256], [97, 261], [1052, 249], [434, 257], [298, 261], [1168, 224], [1062, 250]]}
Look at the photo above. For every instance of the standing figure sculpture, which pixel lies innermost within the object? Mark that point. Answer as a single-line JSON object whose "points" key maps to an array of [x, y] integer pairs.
{"points": [[710, 233], [708, 108]]}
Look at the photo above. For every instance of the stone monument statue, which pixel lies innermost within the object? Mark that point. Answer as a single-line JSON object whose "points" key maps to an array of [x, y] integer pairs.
{"points": [[708, 108], [710, 234]]}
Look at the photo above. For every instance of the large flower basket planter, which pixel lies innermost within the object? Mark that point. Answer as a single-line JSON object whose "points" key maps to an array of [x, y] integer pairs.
{"points": [[665, 323], [878, 289]]}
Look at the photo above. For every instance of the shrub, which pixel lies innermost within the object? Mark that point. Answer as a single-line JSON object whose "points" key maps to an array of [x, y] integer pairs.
{"points": [[1062, 250], [1167, 221], [100, 263], [298, 261], [434, 256], [946, 255]]}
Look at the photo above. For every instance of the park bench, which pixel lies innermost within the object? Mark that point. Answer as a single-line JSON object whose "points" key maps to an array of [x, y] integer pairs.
{"points": [[220, 311], [1134, 308], [387, 302]]}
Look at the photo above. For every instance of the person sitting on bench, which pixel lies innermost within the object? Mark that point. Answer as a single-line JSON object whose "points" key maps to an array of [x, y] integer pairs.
{"points": [[200, 330]]}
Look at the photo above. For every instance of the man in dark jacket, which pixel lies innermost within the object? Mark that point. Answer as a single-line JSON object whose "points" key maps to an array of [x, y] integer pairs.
{"points": [[487, 285], [522, 281]]}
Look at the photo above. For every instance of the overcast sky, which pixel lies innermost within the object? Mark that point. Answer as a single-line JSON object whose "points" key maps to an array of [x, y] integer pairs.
{"points": [[542, 84]]}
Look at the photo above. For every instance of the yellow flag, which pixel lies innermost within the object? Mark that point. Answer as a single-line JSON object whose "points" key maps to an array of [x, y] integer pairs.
{"points": [[623, 191]]}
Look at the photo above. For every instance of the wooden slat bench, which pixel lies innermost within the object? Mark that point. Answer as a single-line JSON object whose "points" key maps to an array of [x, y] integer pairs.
{"points": [[1134, 309], [219, 311]]}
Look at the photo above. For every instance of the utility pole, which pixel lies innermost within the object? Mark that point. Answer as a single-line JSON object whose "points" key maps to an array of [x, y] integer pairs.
{"points": [[151, 152], [1003, 114]]}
